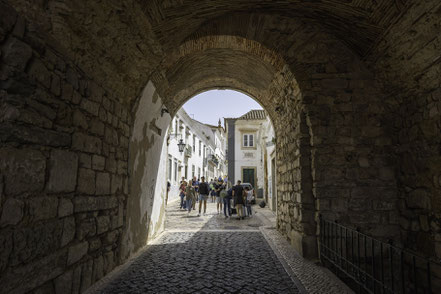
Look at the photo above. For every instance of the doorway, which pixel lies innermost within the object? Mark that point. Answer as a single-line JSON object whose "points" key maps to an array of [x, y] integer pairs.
{"points": [[248, 175]]}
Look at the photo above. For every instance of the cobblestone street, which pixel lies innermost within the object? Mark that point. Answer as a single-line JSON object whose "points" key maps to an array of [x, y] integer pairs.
{"points": [[212, 254]]}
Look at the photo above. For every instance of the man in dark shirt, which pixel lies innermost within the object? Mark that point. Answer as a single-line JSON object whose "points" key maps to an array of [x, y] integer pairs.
{"points": [[203, 195], [238, 199]]}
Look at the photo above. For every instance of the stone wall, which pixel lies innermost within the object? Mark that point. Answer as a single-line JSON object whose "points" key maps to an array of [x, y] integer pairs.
{"points": [[407, 62], [147, 166], [336, 132], [63, 167]]}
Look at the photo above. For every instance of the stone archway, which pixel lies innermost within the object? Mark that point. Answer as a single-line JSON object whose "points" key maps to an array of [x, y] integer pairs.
{"points": [[72, 78]]}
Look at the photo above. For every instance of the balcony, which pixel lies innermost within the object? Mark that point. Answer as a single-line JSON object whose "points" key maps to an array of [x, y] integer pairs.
{"points": [[188, 151], [213, 159]]}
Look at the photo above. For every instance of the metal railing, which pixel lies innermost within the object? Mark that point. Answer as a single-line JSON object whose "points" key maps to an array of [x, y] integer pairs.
{"points": [[369, 265]]}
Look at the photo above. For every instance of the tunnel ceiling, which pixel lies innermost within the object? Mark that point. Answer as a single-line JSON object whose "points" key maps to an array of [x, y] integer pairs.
{"points": [[358, 23], [126, 43]]}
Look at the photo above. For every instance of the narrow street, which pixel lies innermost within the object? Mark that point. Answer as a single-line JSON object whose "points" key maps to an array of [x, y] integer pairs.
{"points": [[212, 254]]}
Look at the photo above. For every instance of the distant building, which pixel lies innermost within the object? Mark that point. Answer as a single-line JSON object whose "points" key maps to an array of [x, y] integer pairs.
{"points": [[251, 153], [204, 153]]}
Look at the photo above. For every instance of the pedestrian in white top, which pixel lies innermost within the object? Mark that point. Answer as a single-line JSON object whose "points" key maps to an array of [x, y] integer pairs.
{"points": [[250, 197]]}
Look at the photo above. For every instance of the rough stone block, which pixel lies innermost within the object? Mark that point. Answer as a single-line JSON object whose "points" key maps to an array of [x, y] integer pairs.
{"points": [[419, 198], [68, 230], [16, 53], [384, 204], [89, 203], [117, 184], [86, 278], [424, 223], [39, 72], [87, 228], [41, 208], [90, 106], [102, 224], [56, 85], [122, 167], [86, 143], [94, 244], [25, 278], [98, 162], [111, 164], [111, 136], [109, 261], [96, 92], [98, 268], [63, 283], [102, 183], [76, 252], [97, 127], [86, 181], [76, 280], [85, 160], [12, 212], [63, 171], [35, 135], [65, 207], [8, 17], [23, 170], [80, 120], [111, 237]]}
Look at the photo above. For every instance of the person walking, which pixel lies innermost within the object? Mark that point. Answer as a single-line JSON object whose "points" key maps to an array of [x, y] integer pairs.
{"points": [[196, 191], [212, 191], [182, 194], [227, 201], [238, 194], [203, 195], [219, 187], [189, 195], [249, 198]]}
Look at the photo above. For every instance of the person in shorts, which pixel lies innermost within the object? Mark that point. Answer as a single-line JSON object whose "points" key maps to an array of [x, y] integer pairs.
{"points": [[204, 190], [238, 194], [249, 198]]}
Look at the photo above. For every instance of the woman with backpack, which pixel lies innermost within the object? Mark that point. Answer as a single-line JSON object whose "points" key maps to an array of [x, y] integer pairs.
{"points": [[190, 195], [182, 188], [227, 201]]}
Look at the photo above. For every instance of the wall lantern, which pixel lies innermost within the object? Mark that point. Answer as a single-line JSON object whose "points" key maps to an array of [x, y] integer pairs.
{"points": [[181, 146]]}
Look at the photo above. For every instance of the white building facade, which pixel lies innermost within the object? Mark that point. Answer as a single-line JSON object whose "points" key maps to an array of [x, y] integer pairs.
{"points": [[251, 153], [204, 153]]}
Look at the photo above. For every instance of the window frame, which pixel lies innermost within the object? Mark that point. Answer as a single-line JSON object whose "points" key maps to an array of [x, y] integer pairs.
{"points": [[246, 139]]}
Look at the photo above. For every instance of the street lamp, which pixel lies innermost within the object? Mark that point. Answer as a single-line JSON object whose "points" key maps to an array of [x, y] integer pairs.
{"points": [[181, 145]]}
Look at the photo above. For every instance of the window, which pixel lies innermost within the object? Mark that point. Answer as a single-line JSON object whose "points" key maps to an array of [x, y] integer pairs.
{"points": [[192, 171], [194, 143], [204, 151], [170, 167], [200, 151], [186, 171], [176, 126], [199, 172], [248, 140], [176, 171]]}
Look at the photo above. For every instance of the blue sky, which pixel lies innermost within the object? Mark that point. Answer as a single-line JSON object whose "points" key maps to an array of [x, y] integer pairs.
{"points": [[209, 106]]}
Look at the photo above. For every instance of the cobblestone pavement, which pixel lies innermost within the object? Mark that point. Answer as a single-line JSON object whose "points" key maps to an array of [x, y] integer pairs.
{"points": [[211, 254], [206, 262]]}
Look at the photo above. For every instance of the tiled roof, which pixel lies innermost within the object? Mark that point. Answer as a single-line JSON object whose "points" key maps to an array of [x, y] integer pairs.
{"points": [[254, 114]]}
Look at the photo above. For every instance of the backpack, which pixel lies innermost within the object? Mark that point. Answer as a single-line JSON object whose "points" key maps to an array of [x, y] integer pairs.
{"points": [[230, 193]]}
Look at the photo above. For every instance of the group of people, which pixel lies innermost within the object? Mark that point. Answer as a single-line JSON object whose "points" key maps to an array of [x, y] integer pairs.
{"points": [[221, 192]]}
